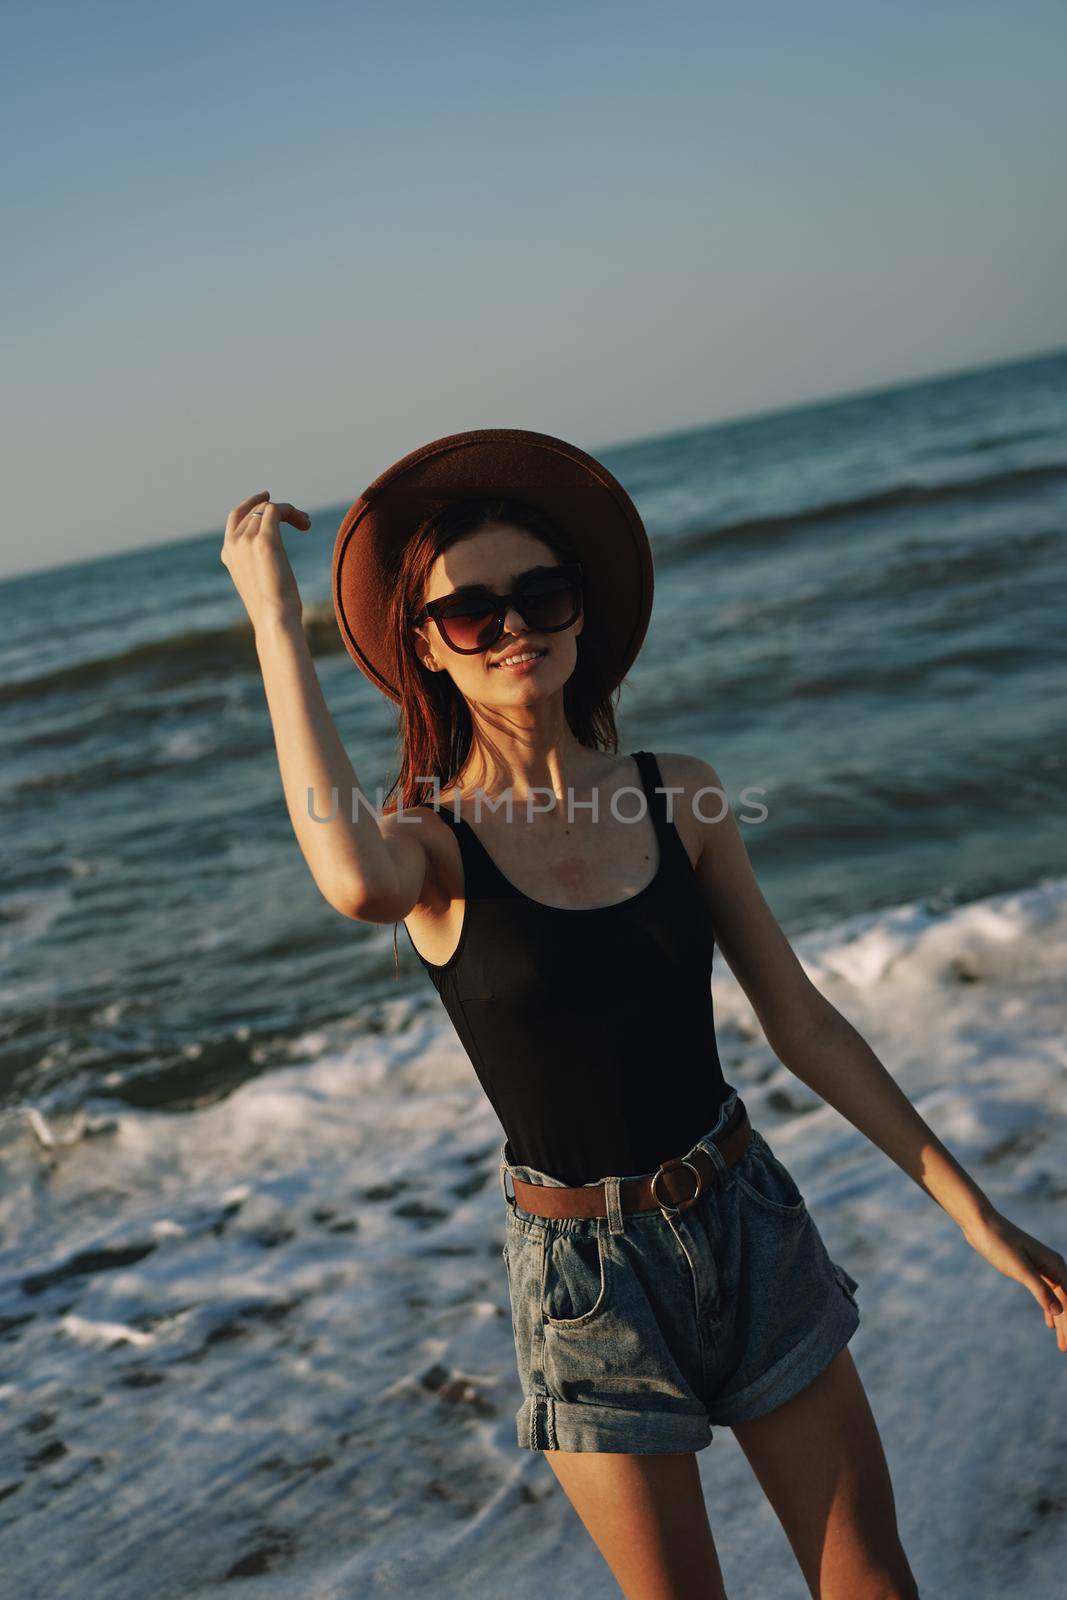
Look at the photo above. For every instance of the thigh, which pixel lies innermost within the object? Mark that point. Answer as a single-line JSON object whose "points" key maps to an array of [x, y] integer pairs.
{"points": [[646, 1515], [819, 1460]]}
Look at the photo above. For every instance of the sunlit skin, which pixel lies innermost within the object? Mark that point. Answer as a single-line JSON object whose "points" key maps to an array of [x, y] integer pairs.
{"points": [[522, 737], [495, 556]]}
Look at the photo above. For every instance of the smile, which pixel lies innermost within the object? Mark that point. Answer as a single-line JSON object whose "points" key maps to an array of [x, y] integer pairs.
{"points": [[524, 659]]}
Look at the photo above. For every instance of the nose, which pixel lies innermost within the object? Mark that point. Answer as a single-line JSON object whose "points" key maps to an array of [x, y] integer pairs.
{"points": [[514, 621]]}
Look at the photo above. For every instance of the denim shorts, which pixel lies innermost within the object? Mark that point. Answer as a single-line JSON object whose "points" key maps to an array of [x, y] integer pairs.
{"points": [[637, 1331]]}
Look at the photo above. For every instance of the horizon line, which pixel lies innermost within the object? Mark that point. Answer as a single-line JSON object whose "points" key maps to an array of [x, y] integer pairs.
{"points": [[814, 403]]}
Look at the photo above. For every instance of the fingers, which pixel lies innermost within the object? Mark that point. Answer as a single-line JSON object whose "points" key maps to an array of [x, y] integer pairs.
{"points": [[1058, 1323], [1036, 1266], [1045, 1300], [239, 513], [1053, 1269], [1054, 1274], [1046, 1297], [1049, 1288], [260, 514], [290, 514]]}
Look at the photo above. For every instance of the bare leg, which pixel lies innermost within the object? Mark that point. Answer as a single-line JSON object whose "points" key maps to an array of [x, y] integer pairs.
{"points": [[819, 1460], [647, 1517]]}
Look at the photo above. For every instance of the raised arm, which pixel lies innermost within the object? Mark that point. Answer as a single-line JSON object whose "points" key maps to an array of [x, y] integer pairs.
{"points": [[366, 870]]}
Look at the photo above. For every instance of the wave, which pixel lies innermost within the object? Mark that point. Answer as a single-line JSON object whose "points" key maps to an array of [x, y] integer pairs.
{"points": [[995, 441], [901, 494], [195, 653], [178, 659]]}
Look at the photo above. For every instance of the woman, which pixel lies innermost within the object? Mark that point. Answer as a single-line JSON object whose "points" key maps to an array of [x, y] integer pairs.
{"points": [[664, 1271]]}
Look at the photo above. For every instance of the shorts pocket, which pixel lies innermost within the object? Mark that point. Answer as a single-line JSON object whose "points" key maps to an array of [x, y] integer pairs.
{"points": [[522, 1254], [574, 1285], [762, 1178]]}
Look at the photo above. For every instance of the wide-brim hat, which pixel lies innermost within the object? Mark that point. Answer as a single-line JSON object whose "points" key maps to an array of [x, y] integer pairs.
{"points": [[586, 502]]}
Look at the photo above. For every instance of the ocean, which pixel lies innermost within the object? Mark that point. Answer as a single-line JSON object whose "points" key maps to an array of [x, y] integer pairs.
{"points": [[253, 1311]]}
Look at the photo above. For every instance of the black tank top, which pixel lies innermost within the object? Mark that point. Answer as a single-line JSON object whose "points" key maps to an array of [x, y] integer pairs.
{"points": [[590, 1030]]}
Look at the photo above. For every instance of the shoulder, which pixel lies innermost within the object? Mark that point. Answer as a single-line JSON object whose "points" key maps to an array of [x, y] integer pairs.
{"points": [[424, 828], [696, 798], [761, 958], [406, 820], [689, 774], [417, 818], [421, 823]]}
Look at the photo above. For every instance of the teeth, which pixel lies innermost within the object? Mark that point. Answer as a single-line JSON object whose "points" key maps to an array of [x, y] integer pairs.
{"points": [[512, 661]]}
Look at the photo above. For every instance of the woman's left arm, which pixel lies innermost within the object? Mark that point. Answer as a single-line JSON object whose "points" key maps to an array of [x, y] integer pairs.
{"points": [[822, 1048]]}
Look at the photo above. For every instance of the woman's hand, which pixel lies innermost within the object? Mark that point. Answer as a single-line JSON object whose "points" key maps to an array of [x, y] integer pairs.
{"points": [[1020, 1256], [255, 558]]}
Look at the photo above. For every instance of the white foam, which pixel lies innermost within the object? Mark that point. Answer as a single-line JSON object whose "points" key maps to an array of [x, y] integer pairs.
{"points": [[308, 1358]]}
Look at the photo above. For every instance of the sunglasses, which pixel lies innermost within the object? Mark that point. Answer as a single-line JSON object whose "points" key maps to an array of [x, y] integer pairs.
{"points": [[472, 618]]}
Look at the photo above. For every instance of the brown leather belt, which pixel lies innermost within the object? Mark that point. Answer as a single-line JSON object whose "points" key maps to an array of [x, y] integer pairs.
{"points": [[674, 1186]]}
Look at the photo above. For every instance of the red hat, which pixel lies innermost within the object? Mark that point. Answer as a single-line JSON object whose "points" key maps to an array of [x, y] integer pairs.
{"points": [[581, 496]]}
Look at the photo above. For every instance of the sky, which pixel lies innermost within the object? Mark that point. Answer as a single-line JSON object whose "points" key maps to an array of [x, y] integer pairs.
{"points": [[278, 247]]}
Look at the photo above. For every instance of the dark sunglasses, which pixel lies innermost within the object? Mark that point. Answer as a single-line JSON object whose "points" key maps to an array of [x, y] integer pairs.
{"points": [[548, 599]]}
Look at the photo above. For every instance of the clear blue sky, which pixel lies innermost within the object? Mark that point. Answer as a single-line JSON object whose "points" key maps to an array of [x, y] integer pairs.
{"points": [[276, 247]]}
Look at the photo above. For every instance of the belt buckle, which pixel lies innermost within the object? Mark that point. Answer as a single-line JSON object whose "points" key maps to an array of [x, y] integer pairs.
{"points": [[671, 1166]]}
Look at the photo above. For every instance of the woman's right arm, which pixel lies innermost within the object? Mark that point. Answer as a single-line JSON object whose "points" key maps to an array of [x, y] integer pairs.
{"points": [[361, 870]]}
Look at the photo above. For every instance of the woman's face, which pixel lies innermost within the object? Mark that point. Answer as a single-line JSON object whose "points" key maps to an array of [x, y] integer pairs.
{"points": [[496, 557]]}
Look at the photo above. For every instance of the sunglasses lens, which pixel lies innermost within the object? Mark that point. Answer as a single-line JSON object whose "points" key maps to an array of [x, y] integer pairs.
{"points": [[469, 627], [550, 605]]}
